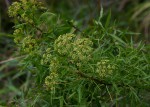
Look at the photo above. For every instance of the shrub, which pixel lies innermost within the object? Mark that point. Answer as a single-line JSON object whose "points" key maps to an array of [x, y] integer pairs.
{"points": [[94, 67]]}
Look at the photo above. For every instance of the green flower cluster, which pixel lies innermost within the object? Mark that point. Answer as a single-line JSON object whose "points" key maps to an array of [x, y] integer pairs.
{"points": [[64, 43], [18, 35], [104, 68], [28, 44], [75, 49], [24, 9], [82, 48], [14, 9], [51, 81], [78, 49], [53, 62], [26, 18], [17, 31], [46, 57]]}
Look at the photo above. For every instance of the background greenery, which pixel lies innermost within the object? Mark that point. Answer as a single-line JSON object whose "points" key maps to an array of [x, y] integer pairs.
{"points": [[132, 15]]}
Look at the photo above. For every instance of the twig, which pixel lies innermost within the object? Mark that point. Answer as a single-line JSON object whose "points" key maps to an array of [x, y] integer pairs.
{"points": [[92, 78], [77, 29], [11, 59], [109, 84]]}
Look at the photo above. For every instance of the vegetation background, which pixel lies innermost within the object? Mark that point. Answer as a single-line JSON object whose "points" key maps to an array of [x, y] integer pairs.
{"points": [[133, 15]]}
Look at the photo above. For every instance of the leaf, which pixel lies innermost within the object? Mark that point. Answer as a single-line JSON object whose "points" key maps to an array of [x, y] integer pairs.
{"points": [[79, 95], [61, 99], [118, 39], [108, 19], [142, 7], [101, 14], [47, 17]]}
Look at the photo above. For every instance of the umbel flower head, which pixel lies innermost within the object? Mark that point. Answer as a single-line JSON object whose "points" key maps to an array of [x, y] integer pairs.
{"points": [[28, 44], [24, 8], [82, 48], [64, 43], [51, 81], [104, 68], [14, 9], [78, 49], [18, 33], [46, 57], [54, 64]]}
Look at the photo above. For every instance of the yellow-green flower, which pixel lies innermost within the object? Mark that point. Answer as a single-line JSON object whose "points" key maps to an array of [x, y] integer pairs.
{"points": [[104, 68], [77, 49], [46, 57], [82, 48], [28, 44], [14, 9], [54, 64], [51, 81], [63, 44]]}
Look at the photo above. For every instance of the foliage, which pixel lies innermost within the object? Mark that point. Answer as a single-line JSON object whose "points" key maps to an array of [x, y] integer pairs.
{"points": [[96, 67], [142, 12]]}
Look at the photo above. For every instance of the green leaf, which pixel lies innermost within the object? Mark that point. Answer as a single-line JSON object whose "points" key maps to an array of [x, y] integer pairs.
{"points": [[118, 39], [101, 14], [108, 19], [47, 17], [79, 95]]}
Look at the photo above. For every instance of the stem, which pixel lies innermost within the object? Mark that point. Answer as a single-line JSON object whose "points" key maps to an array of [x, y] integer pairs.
{"points": [[110, 84], [77, 29]]}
